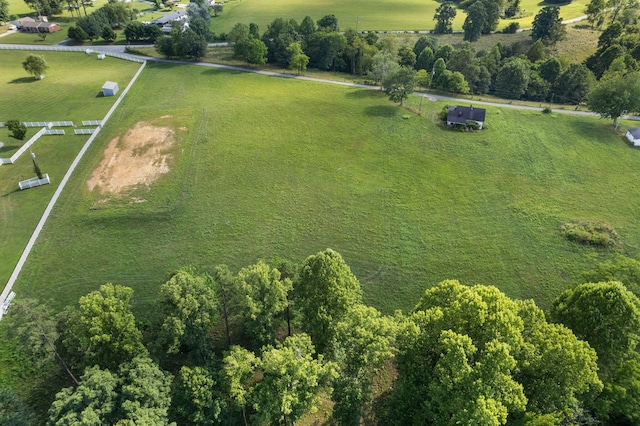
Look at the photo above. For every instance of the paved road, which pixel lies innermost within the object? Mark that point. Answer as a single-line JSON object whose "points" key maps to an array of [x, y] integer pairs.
{"points": [[119, 49]]}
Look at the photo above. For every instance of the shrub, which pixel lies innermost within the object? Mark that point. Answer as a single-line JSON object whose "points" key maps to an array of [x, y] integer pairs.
{"points": [[512, 28], [472, 125], [587, 232], [546, 110], [444, 113]]}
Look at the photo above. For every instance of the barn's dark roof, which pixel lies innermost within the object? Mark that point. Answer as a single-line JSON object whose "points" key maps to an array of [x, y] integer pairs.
{"points": [[460, 114], [635, 132]]}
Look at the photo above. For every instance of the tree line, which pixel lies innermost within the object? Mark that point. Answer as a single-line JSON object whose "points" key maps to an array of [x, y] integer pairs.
{"points": [[266, 344]]}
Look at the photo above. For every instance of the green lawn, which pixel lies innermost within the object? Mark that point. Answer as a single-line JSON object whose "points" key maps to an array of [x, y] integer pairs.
{"points": [[67, 93], [380, 15], [276, 167]]}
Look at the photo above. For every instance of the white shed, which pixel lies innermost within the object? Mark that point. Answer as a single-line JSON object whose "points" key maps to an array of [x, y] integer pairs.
{"points": [[110, 88], [634, 136]]}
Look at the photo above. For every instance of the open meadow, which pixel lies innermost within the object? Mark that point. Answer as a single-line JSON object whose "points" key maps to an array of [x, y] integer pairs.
{"points": [[250, 167], [379, 15]]}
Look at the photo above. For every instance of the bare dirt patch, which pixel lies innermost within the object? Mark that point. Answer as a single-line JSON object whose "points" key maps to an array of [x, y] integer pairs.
{"points": [[138, 157]]}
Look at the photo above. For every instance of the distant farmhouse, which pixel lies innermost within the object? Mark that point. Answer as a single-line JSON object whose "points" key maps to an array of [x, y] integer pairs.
{"points": [[463, 114], [30, 25], [633, 135], [167, 18]]}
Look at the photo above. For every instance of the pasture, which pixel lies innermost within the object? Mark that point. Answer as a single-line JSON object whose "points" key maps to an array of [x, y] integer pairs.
{"points": [[69, 92], [378, 15], [259, 167]]}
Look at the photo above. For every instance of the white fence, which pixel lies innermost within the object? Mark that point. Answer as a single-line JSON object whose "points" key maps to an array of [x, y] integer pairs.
{"points": [[45, 123], [72, 49], [54, 132], [26, 146], [91, 122], [83, 131]]}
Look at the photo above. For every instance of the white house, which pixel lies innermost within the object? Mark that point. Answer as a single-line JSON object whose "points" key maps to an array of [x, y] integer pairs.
{"points": [[110, 88], [634, 136]]}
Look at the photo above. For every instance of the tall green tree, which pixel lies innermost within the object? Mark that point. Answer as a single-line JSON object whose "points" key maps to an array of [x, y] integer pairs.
{"points": [[573, 84], [4, 10], [547, 26], [383, 65], [619, 268], [328, 23], [596, 12], [17, 128], [291, 381], [615, 96], [35, 65], [262, 300], [445, 13], [471, 355], [196, 400], [512, 79], [190, 311], [252, 50], [238, 370], [14, 411], [399, 85], [364, 341], [45, 7], [299, 60], [102, 330], [325, 291], [406, 57], [474, 22]]}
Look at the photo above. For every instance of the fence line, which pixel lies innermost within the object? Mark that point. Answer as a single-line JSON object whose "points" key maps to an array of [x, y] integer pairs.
{"points": [[23, 258], [54, 132], [84, 131], [26, 146]]}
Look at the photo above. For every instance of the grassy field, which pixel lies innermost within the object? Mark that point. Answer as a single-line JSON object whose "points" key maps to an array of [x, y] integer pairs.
{"points": [[67, 93], [269, 167], [376, 15]]}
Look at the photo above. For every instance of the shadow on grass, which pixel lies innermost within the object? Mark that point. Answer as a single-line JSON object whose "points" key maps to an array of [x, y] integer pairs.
{"points": [[100, 95], [7, 148], [22, 80], [382, 111], [7, 194], [365, 94]]}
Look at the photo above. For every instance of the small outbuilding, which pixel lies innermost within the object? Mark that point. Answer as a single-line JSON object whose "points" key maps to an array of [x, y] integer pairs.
{"points": [[633, 135], [110, 88], [463, 114]]}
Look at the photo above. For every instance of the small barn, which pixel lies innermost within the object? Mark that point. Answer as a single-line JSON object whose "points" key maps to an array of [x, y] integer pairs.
{"points": [[634, 136], [110, 88], [463, 114]]}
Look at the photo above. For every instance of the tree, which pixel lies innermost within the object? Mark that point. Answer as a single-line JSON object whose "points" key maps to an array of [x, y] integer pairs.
{"points": [[17, 128], [325, 49], [299, 60], [445, 13], [325, 291], [217, 8], [108, 34], [238, 371], [423, 42], [547, 26], [399, 85], [4, 10], [291, 381], [383, 65], [196, 399], [493, 10], [619, 268], [13, 411], [596, 12], [193, 45], [35, 65], [470, 355], [190, 311], [307, 27], [328, 23], [251, 50], [536, 52], [423, 79], [101, 330], [615, 96], [574, 84], [512, 79], [78, 34], [262, 300], [550, 69], [33, 325], [474, 22], [278, 36], [425, 59], [606, 315], [138, 395], [45, 7], [224, 288], [364, 341], [406, 57]]}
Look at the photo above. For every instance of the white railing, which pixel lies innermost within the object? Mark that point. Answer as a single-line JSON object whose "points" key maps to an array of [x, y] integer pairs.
{"points": [[91, 122], [26, 146], [54, 132], [83, 131], [72, 49]]}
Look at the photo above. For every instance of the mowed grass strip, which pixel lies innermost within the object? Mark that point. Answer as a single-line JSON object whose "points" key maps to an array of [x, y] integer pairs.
{"points": [[267, 167], [377, 15], [68, 93]]}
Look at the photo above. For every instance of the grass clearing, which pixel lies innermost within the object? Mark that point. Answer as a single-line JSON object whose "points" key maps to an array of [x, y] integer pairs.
{"points": [[265, 167], [69, 92]]}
